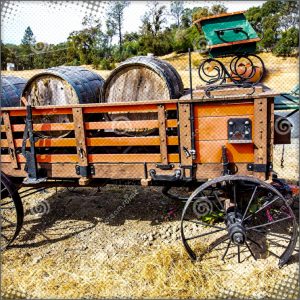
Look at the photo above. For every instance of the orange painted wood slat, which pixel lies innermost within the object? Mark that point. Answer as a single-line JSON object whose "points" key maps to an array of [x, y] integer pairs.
{"points": [[100, 142], [169, 103], [44, 127], [214, 128], [211, 152], [130, 141], [147, 124], [42, 112], [94, 158], [97, 108], [223, 109]]}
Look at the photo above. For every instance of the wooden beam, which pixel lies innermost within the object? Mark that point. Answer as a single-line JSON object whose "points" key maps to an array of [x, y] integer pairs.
{"points": [[260, 130], [185, 135], [162, 134], [80, 137]]}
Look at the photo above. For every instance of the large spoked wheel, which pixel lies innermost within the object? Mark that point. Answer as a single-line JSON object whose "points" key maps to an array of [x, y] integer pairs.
{"points": [[238, 216], [11, 212]]}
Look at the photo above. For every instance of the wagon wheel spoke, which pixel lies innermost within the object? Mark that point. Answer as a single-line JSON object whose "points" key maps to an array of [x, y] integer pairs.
{"points": [[10, 207], [226, 250], [270, 223], [249, 203], [234, 199], [205, 224], [239, 253], [7, 220], [262, 208], [204, 234], [215, 244], [219, 201], [271, 234], [4, 236], [4, 189], [251, 252], [3, 204]]}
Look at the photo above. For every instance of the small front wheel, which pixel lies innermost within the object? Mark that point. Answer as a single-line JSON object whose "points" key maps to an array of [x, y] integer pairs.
{"points": [[238, 216]]}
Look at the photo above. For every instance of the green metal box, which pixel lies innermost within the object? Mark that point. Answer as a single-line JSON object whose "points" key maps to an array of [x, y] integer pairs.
{"points": [[228, 34]]}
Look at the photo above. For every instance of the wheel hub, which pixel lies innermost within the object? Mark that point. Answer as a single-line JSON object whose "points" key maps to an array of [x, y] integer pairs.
{"points": [[236, 230]]}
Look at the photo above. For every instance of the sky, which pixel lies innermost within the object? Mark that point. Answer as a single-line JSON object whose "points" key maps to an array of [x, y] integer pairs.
{"points": [[52, 23]]}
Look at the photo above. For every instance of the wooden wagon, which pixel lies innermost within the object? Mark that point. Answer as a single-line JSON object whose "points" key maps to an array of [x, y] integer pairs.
{"points": [[221, 147]]}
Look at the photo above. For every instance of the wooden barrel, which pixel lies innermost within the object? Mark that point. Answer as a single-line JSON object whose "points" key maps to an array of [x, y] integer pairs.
{"points": [[142, 78], [11, 90], [62, 86]]}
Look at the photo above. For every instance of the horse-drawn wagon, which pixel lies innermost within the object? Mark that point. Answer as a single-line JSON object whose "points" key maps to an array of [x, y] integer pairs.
{"points": [[223, 145], [218, 144]]}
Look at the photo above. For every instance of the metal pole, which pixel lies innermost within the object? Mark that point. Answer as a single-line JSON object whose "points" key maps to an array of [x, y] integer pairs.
{"points": [[190, 71]]}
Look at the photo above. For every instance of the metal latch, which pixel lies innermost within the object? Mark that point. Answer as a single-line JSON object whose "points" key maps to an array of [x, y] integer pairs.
{"points": [[189, 153], [175, 177]]}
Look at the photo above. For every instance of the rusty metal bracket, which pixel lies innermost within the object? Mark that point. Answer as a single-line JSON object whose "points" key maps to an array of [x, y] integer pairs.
{"points": [[31, 163], [85, 171], [165, 167]]}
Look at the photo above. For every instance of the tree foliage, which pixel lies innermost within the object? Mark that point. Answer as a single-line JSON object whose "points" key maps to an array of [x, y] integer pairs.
{"points": [[164, 29], [275, 21], [115, 15]]}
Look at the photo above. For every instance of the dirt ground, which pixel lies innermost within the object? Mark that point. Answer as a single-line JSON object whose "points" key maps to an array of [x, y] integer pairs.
{"points": [[124, 241]]}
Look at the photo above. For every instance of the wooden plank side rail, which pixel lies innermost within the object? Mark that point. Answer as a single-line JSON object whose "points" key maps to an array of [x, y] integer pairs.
{"points": [[96, 158], [97, 142], [144, 124]]}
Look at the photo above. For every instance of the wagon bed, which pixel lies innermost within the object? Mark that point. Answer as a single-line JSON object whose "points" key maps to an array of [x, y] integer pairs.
{"points": [[189, 137]]}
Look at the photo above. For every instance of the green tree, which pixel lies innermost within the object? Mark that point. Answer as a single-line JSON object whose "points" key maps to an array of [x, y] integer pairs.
{"points": [[152, 37], [115, 15], [289, 42], [85, 45], [176, 11], [218, 9], [27, 46], [275, 21]]}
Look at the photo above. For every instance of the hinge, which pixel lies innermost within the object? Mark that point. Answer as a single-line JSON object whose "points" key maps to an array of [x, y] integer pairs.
{"points": [[260, 168]]}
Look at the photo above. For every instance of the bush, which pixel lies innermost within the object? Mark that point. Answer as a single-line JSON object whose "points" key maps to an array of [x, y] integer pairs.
{"points": [[288, 43], [105, 64]]}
